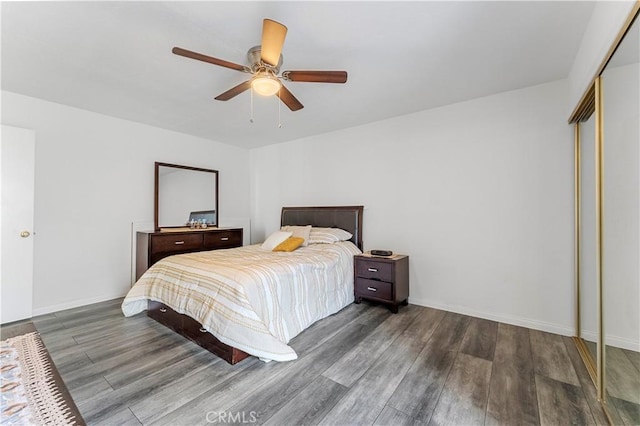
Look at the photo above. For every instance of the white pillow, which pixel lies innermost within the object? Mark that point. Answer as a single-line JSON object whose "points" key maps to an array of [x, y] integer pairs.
{"points": [[328, 235], [275, 239], [299, 231]]}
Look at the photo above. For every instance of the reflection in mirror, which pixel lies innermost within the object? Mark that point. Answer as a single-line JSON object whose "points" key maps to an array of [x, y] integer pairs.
{"points": [[184, 193], [621, 281], [588, 282]]}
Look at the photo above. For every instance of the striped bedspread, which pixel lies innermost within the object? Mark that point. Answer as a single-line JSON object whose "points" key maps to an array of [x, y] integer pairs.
{"points": [[249, 298]]}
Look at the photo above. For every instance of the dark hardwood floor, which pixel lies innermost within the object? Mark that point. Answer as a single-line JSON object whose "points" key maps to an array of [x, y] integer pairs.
{"points": [[362, 365]]}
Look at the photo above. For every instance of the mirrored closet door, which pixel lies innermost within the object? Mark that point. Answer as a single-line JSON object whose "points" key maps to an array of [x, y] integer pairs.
{"points": [[620, 86], [607, 226], [588, 296]]}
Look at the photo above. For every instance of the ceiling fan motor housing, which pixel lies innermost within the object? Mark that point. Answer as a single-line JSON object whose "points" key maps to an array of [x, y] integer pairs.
{"points": [[256, 63]]}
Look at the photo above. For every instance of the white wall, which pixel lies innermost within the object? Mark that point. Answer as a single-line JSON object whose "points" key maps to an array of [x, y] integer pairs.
{"points": [[604, 25], [479, 194], [94, 177]]}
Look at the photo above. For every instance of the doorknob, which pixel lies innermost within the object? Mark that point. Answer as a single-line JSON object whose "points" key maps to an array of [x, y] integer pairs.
{"points": [[25, 234]]}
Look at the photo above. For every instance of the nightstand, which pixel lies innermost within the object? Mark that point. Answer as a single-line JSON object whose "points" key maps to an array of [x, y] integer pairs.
{"points": [[383, 279]]}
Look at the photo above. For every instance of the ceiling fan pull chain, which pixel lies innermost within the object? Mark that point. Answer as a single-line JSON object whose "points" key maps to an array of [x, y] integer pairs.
{"points": [[279, 121], [251, 118]]}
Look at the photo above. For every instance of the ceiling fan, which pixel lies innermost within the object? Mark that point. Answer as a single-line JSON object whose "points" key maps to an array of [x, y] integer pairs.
{"points": [[264, 65]]}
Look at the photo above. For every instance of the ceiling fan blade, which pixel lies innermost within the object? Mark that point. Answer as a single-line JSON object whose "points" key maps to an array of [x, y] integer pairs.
{"points": [[209, 59], [273, 34], [234, 91], [316, 76], [288, 99]]}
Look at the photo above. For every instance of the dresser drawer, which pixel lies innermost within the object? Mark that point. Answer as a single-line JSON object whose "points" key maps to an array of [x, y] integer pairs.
{"points": [[222, 239], [374, 269], [175, 242], [372, 288]]}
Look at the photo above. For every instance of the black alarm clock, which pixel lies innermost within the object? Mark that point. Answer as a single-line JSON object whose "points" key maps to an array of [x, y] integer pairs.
{"points": [[381, 252]]}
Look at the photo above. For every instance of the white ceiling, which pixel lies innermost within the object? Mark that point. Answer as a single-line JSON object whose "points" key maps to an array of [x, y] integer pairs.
{"points": [[115, 58]]}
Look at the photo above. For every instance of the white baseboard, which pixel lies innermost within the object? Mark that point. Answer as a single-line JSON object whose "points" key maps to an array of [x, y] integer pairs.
{"points": [[616, 341], [621, 342], [507, 319], [590, 336], [75, 304]]}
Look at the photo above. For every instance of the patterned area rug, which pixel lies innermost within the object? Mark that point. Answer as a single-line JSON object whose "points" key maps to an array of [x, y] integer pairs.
{"points": [[32, 392]]}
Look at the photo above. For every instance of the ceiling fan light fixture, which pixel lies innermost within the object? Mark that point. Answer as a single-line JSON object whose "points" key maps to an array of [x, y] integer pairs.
{"points": [[266, 86]]}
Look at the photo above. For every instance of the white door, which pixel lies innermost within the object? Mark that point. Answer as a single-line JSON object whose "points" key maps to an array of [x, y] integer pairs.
{"points": [[17, 166]]}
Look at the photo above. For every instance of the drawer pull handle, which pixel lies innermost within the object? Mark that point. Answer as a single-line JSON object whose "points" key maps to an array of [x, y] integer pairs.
{"points": [[373, 270], [372, 289], [202, 330], [224, 239], [178, 242], [163, 310]]}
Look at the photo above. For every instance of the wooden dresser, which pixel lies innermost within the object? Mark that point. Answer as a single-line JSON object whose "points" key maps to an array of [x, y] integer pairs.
{"points": [[383, 279], [153, 246]]}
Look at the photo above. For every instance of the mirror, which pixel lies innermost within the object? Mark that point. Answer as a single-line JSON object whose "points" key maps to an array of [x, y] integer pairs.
{"points": [[588, 295], [183, 193], [621, 231]]}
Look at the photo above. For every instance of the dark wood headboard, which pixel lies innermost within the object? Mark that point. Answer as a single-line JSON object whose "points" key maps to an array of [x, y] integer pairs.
{"points": [[348, 218]]}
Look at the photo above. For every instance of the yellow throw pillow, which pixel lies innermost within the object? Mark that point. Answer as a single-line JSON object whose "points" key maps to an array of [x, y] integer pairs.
{"points": [[290, 244], [299, 231]]}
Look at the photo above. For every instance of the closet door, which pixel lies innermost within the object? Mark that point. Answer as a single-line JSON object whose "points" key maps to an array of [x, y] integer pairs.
{"points": [[621, 230]]}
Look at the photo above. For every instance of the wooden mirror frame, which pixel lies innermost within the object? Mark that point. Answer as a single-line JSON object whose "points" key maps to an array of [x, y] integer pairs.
{"points": [[156, 191]]}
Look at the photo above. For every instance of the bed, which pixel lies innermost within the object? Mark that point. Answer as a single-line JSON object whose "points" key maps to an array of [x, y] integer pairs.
{"points": [[250, 301]]}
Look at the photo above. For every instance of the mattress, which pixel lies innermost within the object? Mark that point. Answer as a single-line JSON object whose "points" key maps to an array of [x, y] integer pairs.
{"points": [[250, 298]]}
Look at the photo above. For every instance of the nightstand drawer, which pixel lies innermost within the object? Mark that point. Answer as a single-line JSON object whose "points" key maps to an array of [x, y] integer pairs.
{"points": [[372, 288], [175, 242], [374, 270]]}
